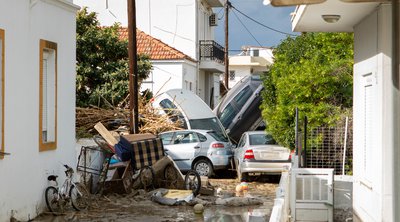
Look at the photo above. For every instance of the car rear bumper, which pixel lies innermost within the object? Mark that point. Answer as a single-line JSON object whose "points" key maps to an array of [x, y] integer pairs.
{"points": [[264, 167], [221, 162]]}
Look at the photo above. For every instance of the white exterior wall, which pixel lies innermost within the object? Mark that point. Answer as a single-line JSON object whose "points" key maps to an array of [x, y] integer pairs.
{"points": [[172, 21], [240, 72], [374, 118], [189, 77], [108, 14], [24, 172], [169, 75]]}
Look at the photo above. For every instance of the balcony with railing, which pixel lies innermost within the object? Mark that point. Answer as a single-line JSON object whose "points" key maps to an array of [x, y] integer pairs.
{"points": [[211, 56]]}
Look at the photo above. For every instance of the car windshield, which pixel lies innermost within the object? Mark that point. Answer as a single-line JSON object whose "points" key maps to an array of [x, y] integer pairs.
{"points": [[261, 139], [172, 111], [209, 124], [243, 96], [227, 115], [218, 136]]}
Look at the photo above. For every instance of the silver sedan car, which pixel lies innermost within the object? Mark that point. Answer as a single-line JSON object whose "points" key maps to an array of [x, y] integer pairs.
{"points": [[257, 152], [202, 150]]}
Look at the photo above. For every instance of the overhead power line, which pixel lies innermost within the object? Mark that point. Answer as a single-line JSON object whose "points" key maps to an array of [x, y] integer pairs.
{"points": [[268, 27], [234, 13]]}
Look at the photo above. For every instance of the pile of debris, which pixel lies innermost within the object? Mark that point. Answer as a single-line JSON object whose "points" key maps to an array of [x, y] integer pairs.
{"points": [[117, 119]]}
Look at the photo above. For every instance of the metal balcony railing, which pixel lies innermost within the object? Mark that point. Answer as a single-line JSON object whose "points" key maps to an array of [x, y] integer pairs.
{"points": [[210, 50]]}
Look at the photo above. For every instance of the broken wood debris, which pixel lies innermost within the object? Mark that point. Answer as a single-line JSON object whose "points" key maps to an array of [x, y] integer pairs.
{"points": [[114, 118]]}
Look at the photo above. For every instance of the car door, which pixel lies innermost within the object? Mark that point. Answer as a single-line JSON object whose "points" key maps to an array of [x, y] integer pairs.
{"points": [[183, 147], [239, 150]]}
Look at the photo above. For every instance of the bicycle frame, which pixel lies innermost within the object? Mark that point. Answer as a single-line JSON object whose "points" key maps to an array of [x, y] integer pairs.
{"points": [[63, 192]]}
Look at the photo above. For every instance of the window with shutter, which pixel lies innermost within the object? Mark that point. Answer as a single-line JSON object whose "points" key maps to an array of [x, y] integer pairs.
{"points": [[2, 75], [369, 123], [48, 96]]}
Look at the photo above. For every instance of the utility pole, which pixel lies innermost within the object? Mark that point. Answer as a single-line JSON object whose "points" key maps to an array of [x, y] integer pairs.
{"points": [[227, 6], [133, 77]]}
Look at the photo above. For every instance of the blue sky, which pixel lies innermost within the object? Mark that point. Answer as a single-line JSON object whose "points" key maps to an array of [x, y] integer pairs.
{"points": [[274, 17]]}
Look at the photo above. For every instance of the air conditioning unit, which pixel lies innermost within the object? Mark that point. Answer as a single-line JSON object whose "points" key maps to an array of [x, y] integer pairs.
{"points": [[213, 19]]}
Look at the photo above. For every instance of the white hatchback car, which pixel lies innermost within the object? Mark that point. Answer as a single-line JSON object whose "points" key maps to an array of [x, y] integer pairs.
{"points": [[202, 150], [257, 152]]}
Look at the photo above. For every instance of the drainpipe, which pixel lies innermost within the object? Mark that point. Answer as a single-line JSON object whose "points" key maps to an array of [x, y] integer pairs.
{"points": [[396, 128], [197, 46]]}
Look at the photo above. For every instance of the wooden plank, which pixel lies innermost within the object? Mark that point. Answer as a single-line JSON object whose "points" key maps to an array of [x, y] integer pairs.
{"points": [[138, 137], [108, 137]]}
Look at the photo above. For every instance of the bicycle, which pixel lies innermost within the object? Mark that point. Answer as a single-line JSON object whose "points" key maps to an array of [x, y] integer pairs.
{"points": [[70, 192]]}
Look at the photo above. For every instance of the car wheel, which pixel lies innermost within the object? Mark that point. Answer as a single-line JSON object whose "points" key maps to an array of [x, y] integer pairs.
{"points": [[203, 168]]}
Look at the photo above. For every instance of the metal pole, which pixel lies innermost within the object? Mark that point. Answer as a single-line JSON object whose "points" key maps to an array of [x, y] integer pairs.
{"points": [[227, 5], [133, 78], [304, 150], [345, 144], [296, 131], [396, 128]]}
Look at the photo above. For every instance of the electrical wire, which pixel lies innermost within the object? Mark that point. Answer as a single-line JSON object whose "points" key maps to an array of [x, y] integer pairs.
{"points": [[272, 29], [234, 13]]}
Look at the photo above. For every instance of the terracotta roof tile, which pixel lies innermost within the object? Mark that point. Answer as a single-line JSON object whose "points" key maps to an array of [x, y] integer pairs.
{"points": [[155, 48]]}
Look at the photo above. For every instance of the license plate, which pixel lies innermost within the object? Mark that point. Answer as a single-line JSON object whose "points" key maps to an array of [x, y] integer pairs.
{"points": [[270, 155]]}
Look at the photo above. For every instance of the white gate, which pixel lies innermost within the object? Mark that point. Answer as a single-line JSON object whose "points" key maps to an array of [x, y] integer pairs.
{"points": [[311, 194]]}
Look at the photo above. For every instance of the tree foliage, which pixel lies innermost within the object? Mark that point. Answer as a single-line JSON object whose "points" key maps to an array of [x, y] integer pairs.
{"points": [[314, 73], [102, 63]]}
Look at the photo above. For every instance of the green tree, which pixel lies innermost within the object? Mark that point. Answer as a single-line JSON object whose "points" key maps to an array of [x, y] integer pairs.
{"points": [[314, 73], [102, 63]]}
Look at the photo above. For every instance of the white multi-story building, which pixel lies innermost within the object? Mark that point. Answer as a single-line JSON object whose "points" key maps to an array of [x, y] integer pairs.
{"points": [[171, 67], [37, 101], [376, 106], [252, 60], [186, 25]]}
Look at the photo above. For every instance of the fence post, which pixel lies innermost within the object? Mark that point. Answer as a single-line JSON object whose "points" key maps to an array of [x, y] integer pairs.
{"points": [[305, 143], [345, 144], [296, 130]]}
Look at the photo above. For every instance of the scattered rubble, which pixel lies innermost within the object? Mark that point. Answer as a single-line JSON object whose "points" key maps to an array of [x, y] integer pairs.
{"points": [[117, 119]]}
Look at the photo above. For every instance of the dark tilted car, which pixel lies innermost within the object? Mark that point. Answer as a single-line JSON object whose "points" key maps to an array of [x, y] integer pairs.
{"points": [[239, 109]]}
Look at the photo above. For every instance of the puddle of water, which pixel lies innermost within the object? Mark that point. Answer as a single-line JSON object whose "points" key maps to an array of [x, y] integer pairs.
{"points": [[237, 214]]}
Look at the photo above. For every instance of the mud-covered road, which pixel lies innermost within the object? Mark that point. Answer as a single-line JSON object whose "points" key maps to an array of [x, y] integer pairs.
{"points": [[137, 206]]}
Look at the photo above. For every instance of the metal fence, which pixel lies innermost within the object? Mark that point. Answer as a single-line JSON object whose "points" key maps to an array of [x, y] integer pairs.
{"points": [[327, 147]]}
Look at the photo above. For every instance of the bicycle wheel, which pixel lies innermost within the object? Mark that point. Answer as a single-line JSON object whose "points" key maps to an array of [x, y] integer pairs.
{"points": [[193, 182], [79, 197], [170, 176], [52, 200]]}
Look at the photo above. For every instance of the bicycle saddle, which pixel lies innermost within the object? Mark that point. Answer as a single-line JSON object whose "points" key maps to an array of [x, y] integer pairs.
{"points": [[52, 178]]}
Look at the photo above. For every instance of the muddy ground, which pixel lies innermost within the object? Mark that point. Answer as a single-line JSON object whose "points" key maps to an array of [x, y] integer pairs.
{"points": [[137, 206]]}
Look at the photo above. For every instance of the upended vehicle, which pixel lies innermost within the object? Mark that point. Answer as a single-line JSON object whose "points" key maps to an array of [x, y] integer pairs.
{"points": [[202, 150], [239, 109], [258, 153], [185, 107]]}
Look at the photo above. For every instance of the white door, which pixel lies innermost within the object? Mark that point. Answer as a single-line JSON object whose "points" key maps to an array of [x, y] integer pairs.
{"points": [[311, 196]]}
